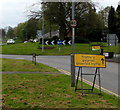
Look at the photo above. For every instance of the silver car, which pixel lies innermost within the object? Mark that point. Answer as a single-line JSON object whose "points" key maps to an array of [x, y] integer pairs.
{"points": [[10, 41]]}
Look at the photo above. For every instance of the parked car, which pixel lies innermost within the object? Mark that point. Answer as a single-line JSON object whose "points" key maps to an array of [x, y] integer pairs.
{"points": [[35, 40], [25, 41], [10, 41]]}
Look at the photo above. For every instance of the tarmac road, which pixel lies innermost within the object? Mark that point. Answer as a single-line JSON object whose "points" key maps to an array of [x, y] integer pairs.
{"points": [[109, 75]]}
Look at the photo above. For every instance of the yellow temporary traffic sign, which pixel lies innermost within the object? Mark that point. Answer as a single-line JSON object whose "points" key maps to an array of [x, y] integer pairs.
{"points": [[96, 48], [87, 60]]}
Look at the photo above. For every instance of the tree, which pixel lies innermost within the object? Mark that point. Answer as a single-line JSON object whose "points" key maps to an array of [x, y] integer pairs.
{"points": [[55, 14], [31, 28], [112, 21], [59, 13], [20, 31], [89, 25], [27, 30], [118, 21], [104, 15], [10, 33]]}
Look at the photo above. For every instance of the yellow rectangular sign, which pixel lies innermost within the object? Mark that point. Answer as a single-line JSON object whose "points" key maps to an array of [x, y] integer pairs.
{"points": [[96, 47], [86, 60]]}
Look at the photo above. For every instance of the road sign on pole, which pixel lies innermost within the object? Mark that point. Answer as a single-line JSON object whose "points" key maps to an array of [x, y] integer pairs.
{"points": [[73, 23], [59, 42], [112, 39]]}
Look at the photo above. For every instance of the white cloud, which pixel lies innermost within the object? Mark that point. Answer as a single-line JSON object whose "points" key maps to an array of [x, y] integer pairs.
{"points": [[109, 2], [14, 11]]}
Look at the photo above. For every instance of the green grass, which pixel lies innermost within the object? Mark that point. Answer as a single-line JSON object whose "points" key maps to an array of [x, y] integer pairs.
{"points": [[35, 91], [49, 91], [10, 65], [30, 48]]}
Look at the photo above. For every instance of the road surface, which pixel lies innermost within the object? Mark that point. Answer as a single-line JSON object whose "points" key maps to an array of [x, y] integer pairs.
{"points": [[109, 75]]}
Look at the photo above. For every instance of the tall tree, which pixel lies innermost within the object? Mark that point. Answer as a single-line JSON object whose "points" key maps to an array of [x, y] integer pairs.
{"points": [[55, 14], [31, 28], [90, 25], [19, 31], [118, 21], [104, 15], [60, 13], [10, 33], [112, 21]]}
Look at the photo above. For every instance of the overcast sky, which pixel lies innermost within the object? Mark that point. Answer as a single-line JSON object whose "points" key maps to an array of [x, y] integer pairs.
{"points": [[14, 12]]}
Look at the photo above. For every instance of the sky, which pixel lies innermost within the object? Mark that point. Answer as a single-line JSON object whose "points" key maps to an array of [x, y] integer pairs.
{"points": [[14, 12]]}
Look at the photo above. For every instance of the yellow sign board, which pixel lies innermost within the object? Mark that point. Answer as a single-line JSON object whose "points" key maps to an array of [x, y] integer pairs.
{"points": [[86, 60], [96, 48]]}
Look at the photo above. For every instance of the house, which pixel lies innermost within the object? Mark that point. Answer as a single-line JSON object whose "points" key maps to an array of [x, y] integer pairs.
{"points": [[53, 33]]}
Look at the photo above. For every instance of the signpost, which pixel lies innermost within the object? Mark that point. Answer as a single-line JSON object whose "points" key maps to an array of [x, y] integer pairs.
{"points": [[59, 42], [112, 39], [94, 48], [87, 60], [73, 23]]}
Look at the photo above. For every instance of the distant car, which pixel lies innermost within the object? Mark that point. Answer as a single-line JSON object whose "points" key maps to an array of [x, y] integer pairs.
{"points": [[30, 40], [10, 41], [35, 40], [25, 41]]}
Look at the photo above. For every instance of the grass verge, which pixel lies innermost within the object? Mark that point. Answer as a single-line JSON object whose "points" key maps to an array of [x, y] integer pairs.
{"points": [[30, 48], [49, 91], [10, 65], [38, 91]]}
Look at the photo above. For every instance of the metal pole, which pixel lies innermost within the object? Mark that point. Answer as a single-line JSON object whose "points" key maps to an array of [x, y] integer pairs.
{"points": [[72, 55], [43, 29]]}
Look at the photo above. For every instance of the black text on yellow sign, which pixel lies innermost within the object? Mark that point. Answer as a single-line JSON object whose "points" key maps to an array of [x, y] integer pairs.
{"points": [[96, 48], [86, 60]]}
